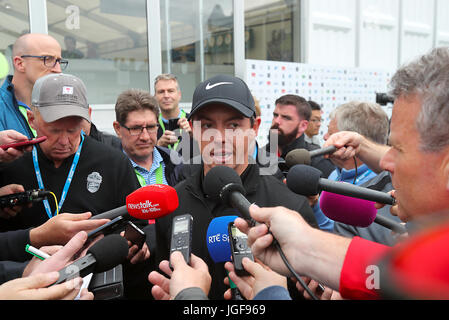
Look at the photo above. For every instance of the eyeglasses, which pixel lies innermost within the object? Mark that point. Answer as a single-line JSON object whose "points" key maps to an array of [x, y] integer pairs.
{"points": [[137, 131], [50, 61]]}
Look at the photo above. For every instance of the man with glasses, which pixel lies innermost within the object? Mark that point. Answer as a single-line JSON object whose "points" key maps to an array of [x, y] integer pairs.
{"points": [[34, 55], [136, 125], [313, 129]]}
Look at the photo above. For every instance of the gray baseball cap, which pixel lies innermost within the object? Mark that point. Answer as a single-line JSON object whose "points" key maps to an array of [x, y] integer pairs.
{"points": [[59, 95]]}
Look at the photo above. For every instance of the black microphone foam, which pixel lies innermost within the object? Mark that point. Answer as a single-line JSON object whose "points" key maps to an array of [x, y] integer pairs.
{"points": [[297, 156], [224, 183], [109, 252], [221, 181], [304, 180]]}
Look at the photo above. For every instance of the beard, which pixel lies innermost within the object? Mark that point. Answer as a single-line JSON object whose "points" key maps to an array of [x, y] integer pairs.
{"points": [[283, 138]]}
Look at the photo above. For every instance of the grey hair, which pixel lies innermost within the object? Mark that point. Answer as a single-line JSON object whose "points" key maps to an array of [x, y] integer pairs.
{"points": [[428, 77], [166, 76], [366, 118]]}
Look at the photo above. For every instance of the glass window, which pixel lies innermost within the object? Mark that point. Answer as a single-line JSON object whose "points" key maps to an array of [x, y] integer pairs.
{"points": [[14, 22], [272, 30], [105, 42], [197, 41]]}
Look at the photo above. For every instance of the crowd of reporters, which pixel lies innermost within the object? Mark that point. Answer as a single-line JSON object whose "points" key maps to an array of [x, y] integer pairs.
{"points": [[157, 142]]}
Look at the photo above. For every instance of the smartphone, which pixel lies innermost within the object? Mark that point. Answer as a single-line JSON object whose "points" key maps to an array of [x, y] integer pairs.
{"points": [[135, 235], [173, 124], [23, 144], [181, 237], [107, 228], [239, 249]]}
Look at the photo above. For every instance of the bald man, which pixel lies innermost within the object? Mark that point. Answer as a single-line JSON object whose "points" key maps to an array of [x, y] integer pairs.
{"points": [[34, 55]]}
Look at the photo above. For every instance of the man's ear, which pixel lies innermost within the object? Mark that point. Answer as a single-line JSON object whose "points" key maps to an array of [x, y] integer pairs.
{"points": [[256, 125], [18, 64], [31, 119], [302, 127], [117, 126]]}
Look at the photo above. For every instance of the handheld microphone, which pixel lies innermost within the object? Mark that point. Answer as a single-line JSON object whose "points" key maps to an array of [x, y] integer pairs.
{"points": [[217, 239], [355, 212], [307, 181], [224, 183], [104, 255], [149, 202], [303, 156], [219, 247]]}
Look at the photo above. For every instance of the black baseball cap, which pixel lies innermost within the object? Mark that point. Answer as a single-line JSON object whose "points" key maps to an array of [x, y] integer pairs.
{"points": [[227, 90]]}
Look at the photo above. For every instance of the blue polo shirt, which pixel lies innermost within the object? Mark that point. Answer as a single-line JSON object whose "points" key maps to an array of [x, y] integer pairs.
{"points": [[150, 176]]}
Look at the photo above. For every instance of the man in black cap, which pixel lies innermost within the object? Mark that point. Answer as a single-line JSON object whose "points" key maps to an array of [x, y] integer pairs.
{"points": [[224, 126]]}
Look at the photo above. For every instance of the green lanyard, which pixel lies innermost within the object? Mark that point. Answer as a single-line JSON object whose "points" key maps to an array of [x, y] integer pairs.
{"points": [[23, 110], [161, 123], [159, 176]]}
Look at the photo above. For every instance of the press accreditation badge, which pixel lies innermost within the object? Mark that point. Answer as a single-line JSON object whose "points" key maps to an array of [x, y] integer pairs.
{"points": [[93, 182]]}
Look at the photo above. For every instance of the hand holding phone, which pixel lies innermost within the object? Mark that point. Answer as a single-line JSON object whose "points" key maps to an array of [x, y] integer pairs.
{"points": [[135, 235], [23, 144]]}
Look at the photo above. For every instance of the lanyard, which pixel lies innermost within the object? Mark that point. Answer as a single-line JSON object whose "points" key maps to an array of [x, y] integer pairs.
{"points": [[159, 176], [23, 109], [67, 182], [363, 176], [161, 123]]}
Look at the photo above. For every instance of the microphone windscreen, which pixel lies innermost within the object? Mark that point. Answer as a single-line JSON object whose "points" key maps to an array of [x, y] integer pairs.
{"points": [[304, 180], [152, 202], [109, 252], [217, 239], [352, 211], [297, 156], [219, 177]]}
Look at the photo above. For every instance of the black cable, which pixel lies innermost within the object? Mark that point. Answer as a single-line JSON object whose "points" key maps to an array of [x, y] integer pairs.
{"points": [[290, 268], [252, 223]]}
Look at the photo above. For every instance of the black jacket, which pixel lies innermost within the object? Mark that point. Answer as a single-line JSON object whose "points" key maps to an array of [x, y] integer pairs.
{"points": [[265, 191]]}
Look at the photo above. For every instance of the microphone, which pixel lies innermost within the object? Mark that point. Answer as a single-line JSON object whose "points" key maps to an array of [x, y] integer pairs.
{"points": [[224, 183], [307, 181], [104, 255], [355, 212], [303, 156], [146, 203], [219, 248], [217, 239]]}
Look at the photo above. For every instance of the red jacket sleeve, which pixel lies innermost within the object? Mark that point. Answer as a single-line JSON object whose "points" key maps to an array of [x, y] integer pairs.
{"points": [[356, 276]]}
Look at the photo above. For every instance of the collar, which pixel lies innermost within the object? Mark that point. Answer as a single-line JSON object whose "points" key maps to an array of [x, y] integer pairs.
{"points": [[344, 174], [179, 116], [157, 159]]}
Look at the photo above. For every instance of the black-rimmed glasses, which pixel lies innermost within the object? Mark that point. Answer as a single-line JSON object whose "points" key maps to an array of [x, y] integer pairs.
{"points": [[137, 131], [49, 61]]}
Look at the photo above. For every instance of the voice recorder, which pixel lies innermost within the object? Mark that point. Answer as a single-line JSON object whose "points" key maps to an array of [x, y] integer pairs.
{"points": [[239, 249], [181, 236]]}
